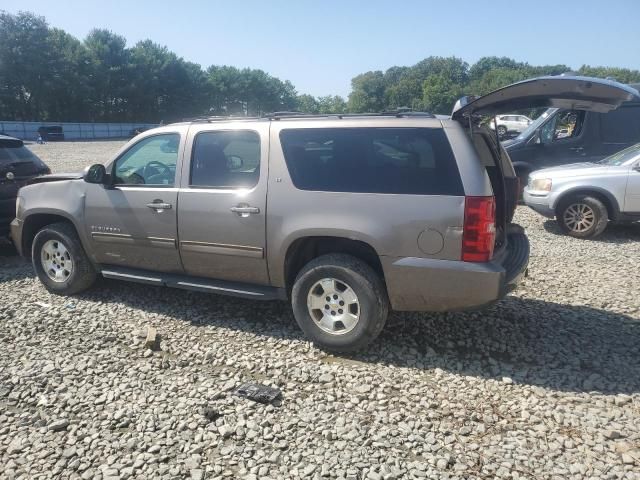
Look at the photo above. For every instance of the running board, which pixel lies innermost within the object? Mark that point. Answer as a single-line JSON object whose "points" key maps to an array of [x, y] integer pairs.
{"points": [[199, 284]]}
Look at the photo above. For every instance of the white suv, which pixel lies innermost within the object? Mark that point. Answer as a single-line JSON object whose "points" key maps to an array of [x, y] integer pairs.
{"points": [[510, 123]]}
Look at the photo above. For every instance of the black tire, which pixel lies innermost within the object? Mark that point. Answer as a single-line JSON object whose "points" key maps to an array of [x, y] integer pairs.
{"points": [[502, 130], [592, 208], [82, 275], [373, 303]]}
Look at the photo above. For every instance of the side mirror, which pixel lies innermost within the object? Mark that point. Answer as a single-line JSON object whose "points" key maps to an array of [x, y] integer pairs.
{"points": [[95, 174], [636, 167]]}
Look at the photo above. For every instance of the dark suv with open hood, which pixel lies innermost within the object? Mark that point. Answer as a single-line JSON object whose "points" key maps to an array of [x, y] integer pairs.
{"points": [[18, 164], [345, 216]]}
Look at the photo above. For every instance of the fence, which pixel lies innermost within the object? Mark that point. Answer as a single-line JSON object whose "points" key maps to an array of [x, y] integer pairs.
{"points": [[73, 131]]}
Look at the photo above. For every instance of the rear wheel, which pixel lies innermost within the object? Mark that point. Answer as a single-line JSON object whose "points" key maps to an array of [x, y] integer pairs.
{"points": [[502, 130], [339, 302], [582, 216], [60, 261]]}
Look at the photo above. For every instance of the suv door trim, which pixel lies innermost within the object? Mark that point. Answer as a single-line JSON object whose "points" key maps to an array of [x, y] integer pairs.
{"points": [[222, 249]]}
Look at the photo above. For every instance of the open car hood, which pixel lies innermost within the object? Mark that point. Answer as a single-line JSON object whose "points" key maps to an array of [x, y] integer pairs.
{"points": [[575, 93]]}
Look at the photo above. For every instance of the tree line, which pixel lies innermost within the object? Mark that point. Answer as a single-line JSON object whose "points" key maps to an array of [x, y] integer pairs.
{"points": [[47, 74]]}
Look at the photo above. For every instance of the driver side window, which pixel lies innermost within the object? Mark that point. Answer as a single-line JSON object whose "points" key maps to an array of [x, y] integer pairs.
{"points": [[566, 124], [151, 161]]}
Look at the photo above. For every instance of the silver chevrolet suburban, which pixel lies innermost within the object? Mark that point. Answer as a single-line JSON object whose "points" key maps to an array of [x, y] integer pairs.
{"points": [[347, 216]]}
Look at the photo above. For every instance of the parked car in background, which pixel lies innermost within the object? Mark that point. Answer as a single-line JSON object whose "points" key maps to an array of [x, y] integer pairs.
{"points": [[566, 134], [509, 123], [18, 164], [51, 133], [584, 197]]}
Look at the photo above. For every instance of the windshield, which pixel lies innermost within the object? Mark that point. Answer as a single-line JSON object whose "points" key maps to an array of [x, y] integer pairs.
{"points": [[622, 156], [526, 133]]}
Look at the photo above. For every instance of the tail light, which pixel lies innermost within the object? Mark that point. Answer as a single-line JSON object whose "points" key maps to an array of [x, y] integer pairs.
{"points": [[479, 234]]}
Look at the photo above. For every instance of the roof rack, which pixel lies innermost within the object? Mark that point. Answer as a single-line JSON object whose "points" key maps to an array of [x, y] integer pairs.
{"points": [[401, 113], [395, 113], [220, 118]]}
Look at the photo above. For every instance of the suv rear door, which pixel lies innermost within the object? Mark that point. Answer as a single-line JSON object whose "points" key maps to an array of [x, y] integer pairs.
{"points": [[222, 202]]}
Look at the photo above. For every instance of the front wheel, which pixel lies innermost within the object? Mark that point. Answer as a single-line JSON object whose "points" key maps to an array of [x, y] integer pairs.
{"points": [[583, 217], [502, 130], [60, 261], [340, 302]]}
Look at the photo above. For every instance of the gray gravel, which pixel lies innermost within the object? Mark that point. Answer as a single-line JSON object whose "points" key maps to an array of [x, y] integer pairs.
{"points": [[545, 384], [68, 157]]}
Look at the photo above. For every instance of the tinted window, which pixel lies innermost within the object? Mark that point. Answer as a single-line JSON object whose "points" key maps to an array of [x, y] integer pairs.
{"points": [[621, 125], [226, 159], [16, 154], [373, 160], [151, 161]]}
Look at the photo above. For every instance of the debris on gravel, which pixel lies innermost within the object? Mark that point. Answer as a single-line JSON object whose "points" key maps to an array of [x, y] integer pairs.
{"points": [[544, 384]]}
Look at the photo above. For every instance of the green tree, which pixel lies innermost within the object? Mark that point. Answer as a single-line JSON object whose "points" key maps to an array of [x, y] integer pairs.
{"points": [[109, 74], [24, 62], [307, 104], [440, 93], [368, 93], [332, 104], [622, 75]]}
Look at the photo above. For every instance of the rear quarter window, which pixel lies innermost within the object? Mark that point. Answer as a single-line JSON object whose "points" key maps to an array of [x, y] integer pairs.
{"points": [[416, 161], [621, 125]]}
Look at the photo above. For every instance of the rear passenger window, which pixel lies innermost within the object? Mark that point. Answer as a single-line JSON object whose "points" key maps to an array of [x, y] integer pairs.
{"points": [[226, 159], [372, 160], [621, 125]]}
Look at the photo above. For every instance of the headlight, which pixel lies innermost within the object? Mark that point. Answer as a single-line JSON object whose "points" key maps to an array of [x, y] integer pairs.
{"points": [[541, 184]]}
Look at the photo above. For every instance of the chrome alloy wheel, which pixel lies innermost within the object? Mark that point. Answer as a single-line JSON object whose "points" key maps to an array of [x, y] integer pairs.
{"points": [[334, 306], [579, 217], [56, 261]]}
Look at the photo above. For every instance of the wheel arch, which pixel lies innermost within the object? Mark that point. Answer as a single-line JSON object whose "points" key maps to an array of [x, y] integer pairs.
{"points": [[606, 197], [304, 249], [35, 222]]}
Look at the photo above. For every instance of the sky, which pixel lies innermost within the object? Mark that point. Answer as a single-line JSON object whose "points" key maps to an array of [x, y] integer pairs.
{"points": [[321, 45]]}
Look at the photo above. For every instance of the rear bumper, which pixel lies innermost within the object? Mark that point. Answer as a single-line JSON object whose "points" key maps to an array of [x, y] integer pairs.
{"points": [[423, 284]]}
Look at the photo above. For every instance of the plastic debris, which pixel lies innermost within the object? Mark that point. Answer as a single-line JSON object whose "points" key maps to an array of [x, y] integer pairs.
{"points": [[258, 392]]}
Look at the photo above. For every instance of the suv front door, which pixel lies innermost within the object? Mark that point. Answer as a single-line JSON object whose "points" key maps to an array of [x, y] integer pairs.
{"points": [[222, 203], [132, 222]]}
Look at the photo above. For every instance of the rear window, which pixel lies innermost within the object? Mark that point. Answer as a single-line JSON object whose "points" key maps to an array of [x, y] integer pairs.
{"points": [[372, 160], [9, 154]]}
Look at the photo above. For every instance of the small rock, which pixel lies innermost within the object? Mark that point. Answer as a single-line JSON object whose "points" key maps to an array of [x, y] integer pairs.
{"points": [[59, 425]]}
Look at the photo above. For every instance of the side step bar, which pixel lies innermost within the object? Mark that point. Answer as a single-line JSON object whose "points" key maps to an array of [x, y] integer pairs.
{"points": [[199, 284]]}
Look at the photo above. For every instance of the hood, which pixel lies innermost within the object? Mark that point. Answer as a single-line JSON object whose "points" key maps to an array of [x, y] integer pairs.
{"points": [[55, 177], [575, 93], [572, 170]]}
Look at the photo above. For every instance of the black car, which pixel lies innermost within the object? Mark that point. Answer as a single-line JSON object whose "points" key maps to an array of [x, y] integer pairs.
{"points": [[17, 165], [51, 133], [571, 135]]}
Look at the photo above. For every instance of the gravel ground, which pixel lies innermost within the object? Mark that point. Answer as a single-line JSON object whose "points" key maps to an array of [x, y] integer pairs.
{"points": [[545, 384], [68, 157]]}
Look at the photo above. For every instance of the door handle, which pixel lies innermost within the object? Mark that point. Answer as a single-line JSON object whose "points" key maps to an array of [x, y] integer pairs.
{"points": [[577, 149], [159, 206], [244, 210]]}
